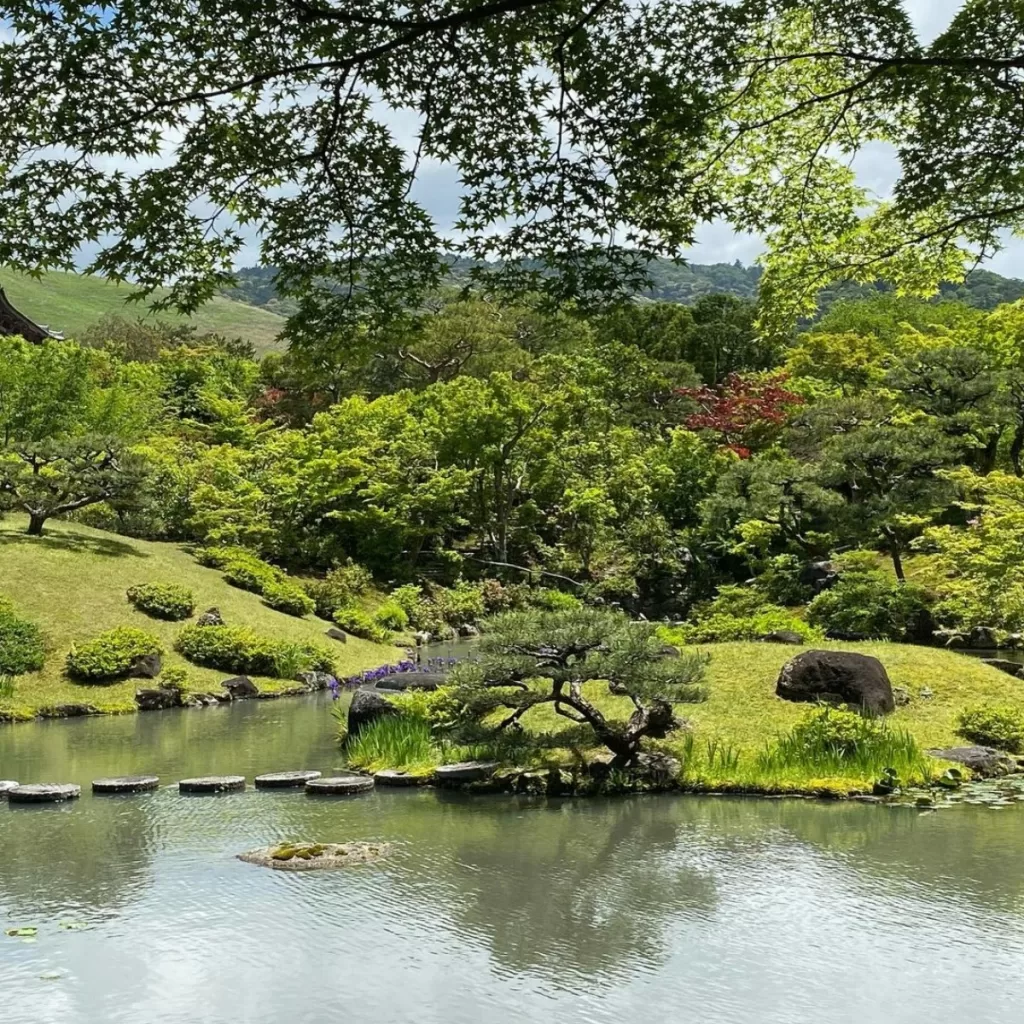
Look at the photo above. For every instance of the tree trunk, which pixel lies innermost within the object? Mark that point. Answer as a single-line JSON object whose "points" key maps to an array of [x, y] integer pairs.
{"points": [[35, 524], [1016, 448], [897, 563]]}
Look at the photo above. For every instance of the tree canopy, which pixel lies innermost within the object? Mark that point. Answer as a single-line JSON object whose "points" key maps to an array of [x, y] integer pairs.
{"points": [[588, 136]]}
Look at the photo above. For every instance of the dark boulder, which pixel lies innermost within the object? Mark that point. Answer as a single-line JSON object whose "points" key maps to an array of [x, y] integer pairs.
{"points": [[783, 636], [1011, 668], [69, 711], [846, 636], [984, 761], [818, 576], [148, 666], [412, 681], [921, 628], [367, 707], [316, 681], [157, 699], [211, 617], [337, 634], [837, 677], [240, 687], [468, 631]]}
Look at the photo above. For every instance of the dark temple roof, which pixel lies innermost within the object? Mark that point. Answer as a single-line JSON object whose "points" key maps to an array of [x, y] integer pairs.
{"points": [[13, 322]]}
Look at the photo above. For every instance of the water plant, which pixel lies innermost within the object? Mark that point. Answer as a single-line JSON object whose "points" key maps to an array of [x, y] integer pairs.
{"points": [[6, 687], [400, 742]]}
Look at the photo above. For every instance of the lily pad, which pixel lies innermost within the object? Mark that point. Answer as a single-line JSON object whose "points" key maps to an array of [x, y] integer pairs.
{"points": [[22, 933]]}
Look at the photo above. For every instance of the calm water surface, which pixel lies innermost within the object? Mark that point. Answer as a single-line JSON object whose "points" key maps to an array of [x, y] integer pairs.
{"points": [[653, 909]]}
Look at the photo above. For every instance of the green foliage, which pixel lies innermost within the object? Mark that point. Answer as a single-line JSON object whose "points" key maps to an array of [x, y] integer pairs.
{"points": [[163, 600], [359, 623], [833, 741], [738, 613], [993, 725], [238, 649], [403, 743], [869, 602], [553, 600], [112, 654], [780, 581], [287, 597], [441, 709], [7, 687], [175, 678], [341, 586], [251, 574], [391, 616], [22, 644]]}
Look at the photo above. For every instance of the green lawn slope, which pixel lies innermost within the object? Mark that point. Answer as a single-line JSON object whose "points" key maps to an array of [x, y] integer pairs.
{"points": [[72, 582], [71, 303]]}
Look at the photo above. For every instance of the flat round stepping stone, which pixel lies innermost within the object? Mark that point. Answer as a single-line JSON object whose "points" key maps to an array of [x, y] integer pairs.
{"points": [[126, 784], [285, 780], [391, 777], [44, 793], [340, 785], [212, 784], [6, 785], [466, 771]]}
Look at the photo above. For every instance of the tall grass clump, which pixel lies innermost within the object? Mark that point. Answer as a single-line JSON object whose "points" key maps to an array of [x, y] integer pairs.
{"points": [[398, 742], [6, 687]]}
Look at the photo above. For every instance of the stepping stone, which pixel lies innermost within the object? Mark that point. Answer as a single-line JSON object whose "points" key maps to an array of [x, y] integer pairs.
{"points": [[212, 784], [285, 780], [126, 784], [6, 785], [341, 785], [466, 771], [44, 793], [391, 777]]}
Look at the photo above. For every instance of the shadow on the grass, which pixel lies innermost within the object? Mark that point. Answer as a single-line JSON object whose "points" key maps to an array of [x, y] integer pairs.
{"points": [[74, 542]]}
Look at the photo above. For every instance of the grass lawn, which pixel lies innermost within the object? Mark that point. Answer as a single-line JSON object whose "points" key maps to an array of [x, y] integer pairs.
{"points": [[742, 716], [71, 303], [72, 582]]}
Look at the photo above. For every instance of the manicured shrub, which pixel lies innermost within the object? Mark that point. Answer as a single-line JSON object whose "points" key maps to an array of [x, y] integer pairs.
{"points": [[870, 602], [163, 600], [239, 649], [358, 623], [112, 654], [341, 586], [554, 600], [780, 581], [22, 645], [503, 597], [288, 597], [738, 613], [993, 725], [391, 615], [251, 574]]}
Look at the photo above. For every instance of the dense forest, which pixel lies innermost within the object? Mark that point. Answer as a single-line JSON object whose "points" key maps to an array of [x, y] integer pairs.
{"points": [[865, 473]]}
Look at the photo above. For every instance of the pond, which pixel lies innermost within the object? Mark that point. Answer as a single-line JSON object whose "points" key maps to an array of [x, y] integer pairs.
{"points": [[490, 909]]}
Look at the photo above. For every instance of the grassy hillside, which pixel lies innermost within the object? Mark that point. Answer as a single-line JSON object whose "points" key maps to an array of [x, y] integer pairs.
{"points": [[71, 303], [72, 582]]}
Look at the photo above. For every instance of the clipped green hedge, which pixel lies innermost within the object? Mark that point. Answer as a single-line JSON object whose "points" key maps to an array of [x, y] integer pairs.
{"points": [[22, 644], [112, 654], [285, 596], [993, 725], [358, 623], [163, 600], [242, 650]]}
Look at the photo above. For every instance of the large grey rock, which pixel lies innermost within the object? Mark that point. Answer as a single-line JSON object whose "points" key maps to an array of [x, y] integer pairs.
{"points": [[337, 634], [6, 785], [1012, 668], [240, 687], [316, 681], [412, 681], [44, 793], [783, 636], [314, 856], [148, 666], [340, 785], [157, 699], [211, 617], [837, 677], [126, 784], [212, 784], [367, 707], [984, 761]]}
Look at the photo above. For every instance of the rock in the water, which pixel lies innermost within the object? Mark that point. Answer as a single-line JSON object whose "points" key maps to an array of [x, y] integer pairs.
{"points": [[6, 785], [337, 634], [285, 780], [1012, 668], [240, 687], [316, 681], [984, 761], [982, 638], [837, 677], [468, 631], [465, 771], [44, 793], [126, 784], [148, 666], [314, 856], [412, 681], [783, 636], [340, 785], [69, 711], [211, 617], [367, 707], [391, 777], [212, 784], [158, 699]]}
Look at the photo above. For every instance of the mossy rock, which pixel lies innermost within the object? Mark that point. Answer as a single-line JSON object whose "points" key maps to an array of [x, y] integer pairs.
{"points": [[314, 856]]}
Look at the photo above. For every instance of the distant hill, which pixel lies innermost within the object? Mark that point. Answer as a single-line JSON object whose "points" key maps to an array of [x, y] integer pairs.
{"points": [[686, 283], [71, 303]]}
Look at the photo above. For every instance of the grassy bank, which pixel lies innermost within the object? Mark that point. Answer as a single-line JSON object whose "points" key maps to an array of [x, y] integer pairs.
{"points": [[72, 303], [72, 583], [730, 733]]}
